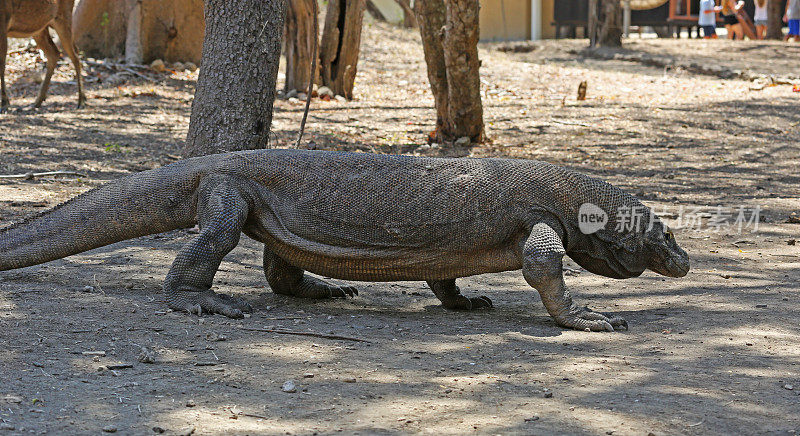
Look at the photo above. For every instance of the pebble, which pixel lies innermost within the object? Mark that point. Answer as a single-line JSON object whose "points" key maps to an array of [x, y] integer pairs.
{"points": [[187, 431], [110, 429], [532, 418], [308, 375], [548, 395], [349, 380], [340, 98], [302, 96], [289, 387], [788, 387], [325, 91], [178, 66], [147, 356], [158, 65], [291, 93], [7, 426], [10, 398], [216, 337], [158, 430], [190, 403], [463, 141], [190, 66]]}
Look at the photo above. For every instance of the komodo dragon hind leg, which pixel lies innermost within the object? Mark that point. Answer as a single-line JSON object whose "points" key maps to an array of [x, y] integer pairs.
{"points": [[542, 269], [222, 212], [448, 293], [287, 279]]}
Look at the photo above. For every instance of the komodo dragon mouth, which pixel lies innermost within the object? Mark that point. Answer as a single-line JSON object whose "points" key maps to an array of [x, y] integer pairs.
{"points": [[665, 256]]}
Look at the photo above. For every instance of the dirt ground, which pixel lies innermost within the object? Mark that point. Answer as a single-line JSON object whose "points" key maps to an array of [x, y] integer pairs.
{"points": [[715, 352]]}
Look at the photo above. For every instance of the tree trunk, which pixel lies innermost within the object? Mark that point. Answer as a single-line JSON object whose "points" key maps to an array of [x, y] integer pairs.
{"points": [[232, 107], [605, 23], [775, 13], [299, 44], [450, 34], [340, 45], [374, 11], [409, 19], [592, 23], [140, 30]]}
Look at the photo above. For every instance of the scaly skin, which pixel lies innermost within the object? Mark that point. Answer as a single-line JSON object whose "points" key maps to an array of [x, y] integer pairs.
{"points": [[361, 217]]}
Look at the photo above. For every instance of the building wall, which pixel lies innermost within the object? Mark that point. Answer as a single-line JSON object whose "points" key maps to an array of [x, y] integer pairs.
{"points": [[505, 20], [548, 29], [500, 20]]}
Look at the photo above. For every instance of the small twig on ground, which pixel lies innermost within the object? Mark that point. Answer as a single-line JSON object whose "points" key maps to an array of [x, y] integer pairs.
{"points": [[126, 68], [316, 335], [280, 318], [30, 176]]}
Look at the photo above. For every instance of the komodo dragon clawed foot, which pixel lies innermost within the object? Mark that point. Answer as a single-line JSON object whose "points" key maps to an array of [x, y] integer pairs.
{"points": [[208, 301], [586, 319], [287, 279], [448, 293], [312, 287]]}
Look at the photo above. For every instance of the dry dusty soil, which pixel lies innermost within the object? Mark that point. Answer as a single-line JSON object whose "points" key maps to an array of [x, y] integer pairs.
{"points": [[717, 351]]}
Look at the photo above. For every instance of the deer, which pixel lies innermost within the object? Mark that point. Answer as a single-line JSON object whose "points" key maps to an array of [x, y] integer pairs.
{"points": [[34, 18]]}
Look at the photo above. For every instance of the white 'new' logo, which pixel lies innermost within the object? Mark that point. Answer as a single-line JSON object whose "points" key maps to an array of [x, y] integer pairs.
{"points": [[591, 218]]}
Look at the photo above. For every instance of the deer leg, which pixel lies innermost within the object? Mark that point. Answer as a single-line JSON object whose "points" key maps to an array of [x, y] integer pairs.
{"points": [[45, 42], [3, 50], [63, 28]]}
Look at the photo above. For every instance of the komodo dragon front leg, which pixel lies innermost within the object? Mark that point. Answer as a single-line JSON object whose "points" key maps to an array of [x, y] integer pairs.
{"points": [[542, 268], [287, 279], [222, 211]]}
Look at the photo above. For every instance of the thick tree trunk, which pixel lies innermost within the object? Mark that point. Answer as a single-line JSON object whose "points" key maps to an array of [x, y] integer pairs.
{"points": [[409, 19], [300, 31], [232, 107], [450, 34], [605, 23], [775, 11], [140, 30], [374, 11], [340, 45]]}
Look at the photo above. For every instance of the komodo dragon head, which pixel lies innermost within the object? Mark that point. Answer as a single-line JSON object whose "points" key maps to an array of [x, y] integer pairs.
{"points": [[662, 252], [625, 253]]}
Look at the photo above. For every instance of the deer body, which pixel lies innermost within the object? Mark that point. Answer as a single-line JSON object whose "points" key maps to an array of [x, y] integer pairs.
{"points": [[33, 18]]}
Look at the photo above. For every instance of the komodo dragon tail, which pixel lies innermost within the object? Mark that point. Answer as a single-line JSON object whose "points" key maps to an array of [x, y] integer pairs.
{"points": [[141, 204]]}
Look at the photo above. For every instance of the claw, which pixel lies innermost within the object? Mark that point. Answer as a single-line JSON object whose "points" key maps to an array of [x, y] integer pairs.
{"points": [[211, 302], [587, 320]]}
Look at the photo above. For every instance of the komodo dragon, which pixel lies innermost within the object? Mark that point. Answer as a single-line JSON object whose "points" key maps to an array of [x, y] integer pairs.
{"points": [[363, 217]]}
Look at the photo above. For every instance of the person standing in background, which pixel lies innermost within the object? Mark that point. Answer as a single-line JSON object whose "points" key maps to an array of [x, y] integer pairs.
{"points": [[760, 19], [708, 18], [732, 25], [792, 17]]}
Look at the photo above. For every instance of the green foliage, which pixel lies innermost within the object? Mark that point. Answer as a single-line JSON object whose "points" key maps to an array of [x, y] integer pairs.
{"points": [[111, 147]]}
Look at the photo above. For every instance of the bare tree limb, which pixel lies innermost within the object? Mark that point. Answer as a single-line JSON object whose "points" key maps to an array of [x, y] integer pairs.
{"points": [[314, 56], [31, 176], [316, 335]]}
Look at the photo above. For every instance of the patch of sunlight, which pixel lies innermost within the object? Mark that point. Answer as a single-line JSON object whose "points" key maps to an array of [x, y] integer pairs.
{"points": [[7, 357], [293, 350], [9, 310]]}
